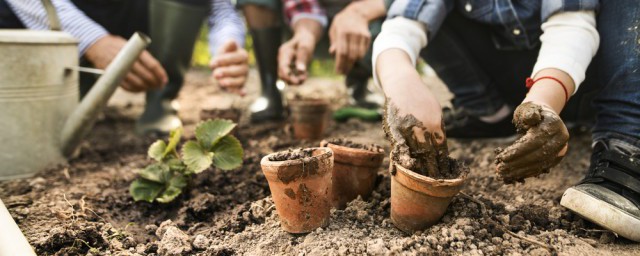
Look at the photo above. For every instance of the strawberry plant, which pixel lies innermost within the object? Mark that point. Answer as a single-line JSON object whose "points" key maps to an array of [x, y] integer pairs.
{"points": [[165, 179]]}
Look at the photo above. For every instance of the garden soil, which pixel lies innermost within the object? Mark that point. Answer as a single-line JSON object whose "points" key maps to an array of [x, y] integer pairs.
{"points": [[84, 207]]}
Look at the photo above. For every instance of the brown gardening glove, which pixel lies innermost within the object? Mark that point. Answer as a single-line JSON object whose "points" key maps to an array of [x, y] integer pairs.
{"points": [[542, 145]]}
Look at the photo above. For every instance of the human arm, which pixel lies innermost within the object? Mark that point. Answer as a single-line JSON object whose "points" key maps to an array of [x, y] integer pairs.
{"points": [[95, 43], [413, 116], [230, 61], [72, 20], [569, 42], [395, 51], [349, 32]]}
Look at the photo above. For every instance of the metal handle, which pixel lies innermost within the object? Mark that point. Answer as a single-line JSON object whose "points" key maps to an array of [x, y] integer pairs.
{"points": [[52, 15]]}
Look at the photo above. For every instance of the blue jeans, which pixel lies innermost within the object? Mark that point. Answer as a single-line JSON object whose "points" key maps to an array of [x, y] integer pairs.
{"points": [[484, 78], [618, 64]]}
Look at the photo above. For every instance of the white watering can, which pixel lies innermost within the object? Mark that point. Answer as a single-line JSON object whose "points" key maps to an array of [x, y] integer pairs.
{"points": [[41, 120]]}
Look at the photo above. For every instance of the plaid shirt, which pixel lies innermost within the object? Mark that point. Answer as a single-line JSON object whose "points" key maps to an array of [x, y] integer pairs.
{"points": [[308, 9]]}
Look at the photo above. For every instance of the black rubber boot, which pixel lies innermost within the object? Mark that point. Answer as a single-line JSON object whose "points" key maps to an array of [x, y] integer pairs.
{"points": [[268, 107], [174, 28], [357, 81]]}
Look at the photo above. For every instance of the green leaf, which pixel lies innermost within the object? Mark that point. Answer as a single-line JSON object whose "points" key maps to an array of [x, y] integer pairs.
{"points": [[195, 157], [155, 172], [227, 153], [177, 183], [141, 189], [210, 132], [169, 194], [156, 150], [176, 165], [174, 138]]}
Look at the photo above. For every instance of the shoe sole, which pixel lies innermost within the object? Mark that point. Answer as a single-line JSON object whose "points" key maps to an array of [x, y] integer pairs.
{"points": [[602, 213]]}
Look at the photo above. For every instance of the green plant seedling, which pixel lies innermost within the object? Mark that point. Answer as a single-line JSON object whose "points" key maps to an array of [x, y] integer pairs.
{"points": [[165, 179]]}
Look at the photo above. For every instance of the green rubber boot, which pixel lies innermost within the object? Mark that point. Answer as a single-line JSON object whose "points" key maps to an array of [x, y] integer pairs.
{"points": [[174, 28]]}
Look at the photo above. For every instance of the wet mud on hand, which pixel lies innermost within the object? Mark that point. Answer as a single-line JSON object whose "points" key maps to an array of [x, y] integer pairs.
{"points": [[544, 137], [416, 148]]}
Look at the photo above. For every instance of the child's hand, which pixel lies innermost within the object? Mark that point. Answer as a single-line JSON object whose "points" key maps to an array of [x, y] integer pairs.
{"points": [[413, 116], [404, 88], [542, 146]]}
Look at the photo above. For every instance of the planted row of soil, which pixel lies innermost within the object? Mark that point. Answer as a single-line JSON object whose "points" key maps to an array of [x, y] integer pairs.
{"points": [[85, 207]]}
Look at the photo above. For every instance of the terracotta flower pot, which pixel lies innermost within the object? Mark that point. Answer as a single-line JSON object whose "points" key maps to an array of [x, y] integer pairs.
{"points": [[301, 189], [355, 171], [309, 118], [232, 114], [417, 201]]}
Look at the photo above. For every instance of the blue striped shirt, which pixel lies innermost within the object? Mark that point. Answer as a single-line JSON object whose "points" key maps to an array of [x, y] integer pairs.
{"points": [[224, 22]]}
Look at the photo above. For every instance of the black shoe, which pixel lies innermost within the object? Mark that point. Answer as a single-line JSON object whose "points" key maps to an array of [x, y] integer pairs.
{"points": [[610, 194], [357, 81], [362, 97], [461, 124]]}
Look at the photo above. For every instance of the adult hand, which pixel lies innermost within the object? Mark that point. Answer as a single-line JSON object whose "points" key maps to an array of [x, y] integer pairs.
{"points": [[147, 73], [350, 39], [230, 67], [542, 146], [295, 54]]}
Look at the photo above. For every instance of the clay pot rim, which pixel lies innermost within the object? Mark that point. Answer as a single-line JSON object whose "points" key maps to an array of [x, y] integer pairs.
{"points": [[359, 151], [309, 102], [434, 182], [266, 162]]}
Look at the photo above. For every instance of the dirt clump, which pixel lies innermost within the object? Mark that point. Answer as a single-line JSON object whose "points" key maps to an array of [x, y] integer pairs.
{"points": [[172, 240], [291, 154], [350, 144], [72, 239]]}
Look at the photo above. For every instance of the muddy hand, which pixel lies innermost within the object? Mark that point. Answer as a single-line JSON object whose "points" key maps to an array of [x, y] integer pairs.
{"points": [[414, 146], [542, 146]]}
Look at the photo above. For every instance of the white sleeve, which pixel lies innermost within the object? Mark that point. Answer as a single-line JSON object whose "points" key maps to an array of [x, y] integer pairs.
{"points": [[401, 33], [224, 24], [72, 20], [569, 42]]}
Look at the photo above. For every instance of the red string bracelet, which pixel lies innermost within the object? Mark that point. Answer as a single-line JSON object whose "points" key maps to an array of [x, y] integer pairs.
{"points": [[530, 82]]}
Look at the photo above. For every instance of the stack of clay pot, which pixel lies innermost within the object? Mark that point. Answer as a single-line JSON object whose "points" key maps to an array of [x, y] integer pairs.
{"points": [[304, 189]]}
